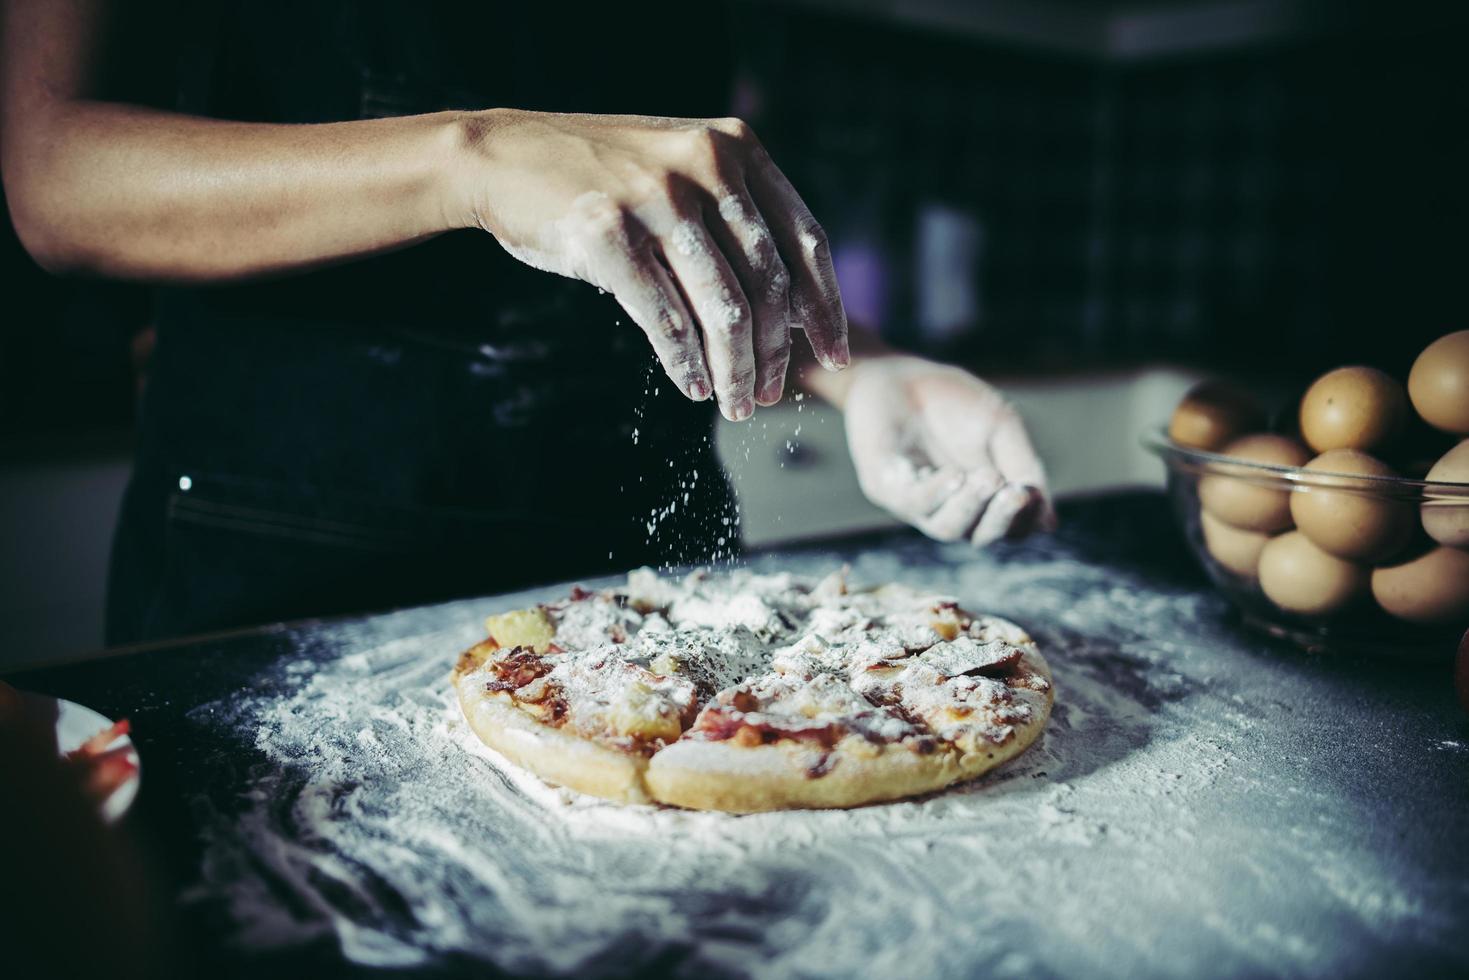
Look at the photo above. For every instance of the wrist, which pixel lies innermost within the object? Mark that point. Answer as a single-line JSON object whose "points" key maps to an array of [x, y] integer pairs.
{"points": [[482, 145]]}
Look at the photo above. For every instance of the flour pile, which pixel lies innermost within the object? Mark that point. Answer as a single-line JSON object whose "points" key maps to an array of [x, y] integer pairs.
{"points": [[377, 821]]}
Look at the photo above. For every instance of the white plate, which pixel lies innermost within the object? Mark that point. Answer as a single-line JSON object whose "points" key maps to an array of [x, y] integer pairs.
{"points": [[75, 724]]}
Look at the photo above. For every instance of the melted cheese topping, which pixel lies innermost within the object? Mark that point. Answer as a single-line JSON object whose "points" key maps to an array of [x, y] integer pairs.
{"points": [[771, 657]]}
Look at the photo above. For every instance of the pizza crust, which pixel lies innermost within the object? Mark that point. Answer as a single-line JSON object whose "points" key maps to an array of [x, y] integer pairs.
{"points": [[700, 772], [703, 775], [556, 756]]}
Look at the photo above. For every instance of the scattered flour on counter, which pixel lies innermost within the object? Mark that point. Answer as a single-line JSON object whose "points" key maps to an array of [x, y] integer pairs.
{"points": [[376, 820]]}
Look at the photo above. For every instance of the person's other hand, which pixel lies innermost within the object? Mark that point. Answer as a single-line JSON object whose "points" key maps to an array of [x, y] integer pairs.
{"points": [[687, 222], [944, 451]]}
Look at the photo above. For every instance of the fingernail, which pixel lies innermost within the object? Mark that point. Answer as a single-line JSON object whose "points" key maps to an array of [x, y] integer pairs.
{"points": [[1043, 515], [843, 354], [742, 410], [698, 389], [770, 394]]}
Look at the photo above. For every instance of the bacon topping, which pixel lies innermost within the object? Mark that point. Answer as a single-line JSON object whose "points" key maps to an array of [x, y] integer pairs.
{"points": [[721, 724], [744, 701], [517, 669]]}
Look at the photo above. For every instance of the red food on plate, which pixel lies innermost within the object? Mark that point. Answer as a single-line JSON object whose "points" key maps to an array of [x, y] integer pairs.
{"points": [[102, 766]]}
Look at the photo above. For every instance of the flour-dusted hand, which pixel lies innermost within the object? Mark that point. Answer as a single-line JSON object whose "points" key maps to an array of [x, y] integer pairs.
{"points": [[687, 222], [944, 451]]}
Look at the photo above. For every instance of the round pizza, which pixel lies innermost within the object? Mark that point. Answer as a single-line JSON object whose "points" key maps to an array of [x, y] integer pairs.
{"points": [[745, 692]]}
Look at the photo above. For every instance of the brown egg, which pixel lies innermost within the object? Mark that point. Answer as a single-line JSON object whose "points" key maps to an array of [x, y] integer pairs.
{"points": [[1439, 383], [1240, 499], [1213, 414], [1235, 549], [1299, 577], [1431, 588], [1446, 519], [1355, 522], [1352, 408]]}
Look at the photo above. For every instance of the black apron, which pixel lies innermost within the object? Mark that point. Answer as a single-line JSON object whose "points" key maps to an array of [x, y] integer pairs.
{"points": [[436, 422]]}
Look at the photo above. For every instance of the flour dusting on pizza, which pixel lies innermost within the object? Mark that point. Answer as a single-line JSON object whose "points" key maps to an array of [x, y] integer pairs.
{"points": [[747, 692]]}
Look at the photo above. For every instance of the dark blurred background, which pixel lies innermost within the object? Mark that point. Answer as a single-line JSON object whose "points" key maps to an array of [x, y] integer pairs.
{"points": [[1026, 186], [1222, 182]]}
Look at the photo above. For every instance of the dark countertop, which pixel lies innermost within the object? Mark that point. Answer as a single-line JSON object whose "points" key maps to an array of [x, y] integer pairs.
{"points": [[1206, 801]]}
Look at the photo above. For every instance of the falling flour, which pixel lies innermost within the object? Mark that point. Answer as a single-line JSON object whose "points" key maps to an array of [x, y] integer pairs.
{"points": [[1152, 821], [715, 538]]}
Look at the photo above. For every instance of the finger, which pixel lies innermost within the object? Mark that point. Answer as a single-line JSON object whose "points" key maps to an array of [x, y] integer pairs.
{"points": [[723, 314], [972, 442], [1013, 453], [816, 302], [747, 242], [1010, 513], [893, 469], [1015, 457], [911, 492], [643, 287], [957, 516]]}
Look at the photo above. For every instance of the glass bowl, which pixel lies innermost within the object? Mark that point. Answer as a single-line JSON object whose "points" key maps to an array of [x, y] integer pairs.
{"points": [[1356, 618]]}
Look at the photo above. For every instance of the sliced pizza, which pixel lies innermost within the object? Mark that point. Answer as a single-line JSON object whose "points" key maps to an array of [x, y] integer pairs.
{"points": [[747, 692]]}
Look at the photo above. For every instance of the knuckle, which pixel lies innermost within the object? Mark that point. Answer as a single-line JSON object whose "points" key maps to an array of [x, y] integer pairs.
{"points": [[737, 383], [732, 209], [812, 238], [643, 182], [605, 221], [737, 128], [728, 316], [726, 329], [662, 186], [776, 356], [704, 143], [687, 239], [669, 326], [670, 187], [688, 365], [714, 138], [739, 319], [777, 282], [764, 256]]}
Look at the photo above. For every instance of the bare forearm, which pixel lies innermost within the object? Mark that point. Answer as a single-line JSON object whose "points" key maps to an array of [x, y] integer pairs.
{"points": [[133, 192]]}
